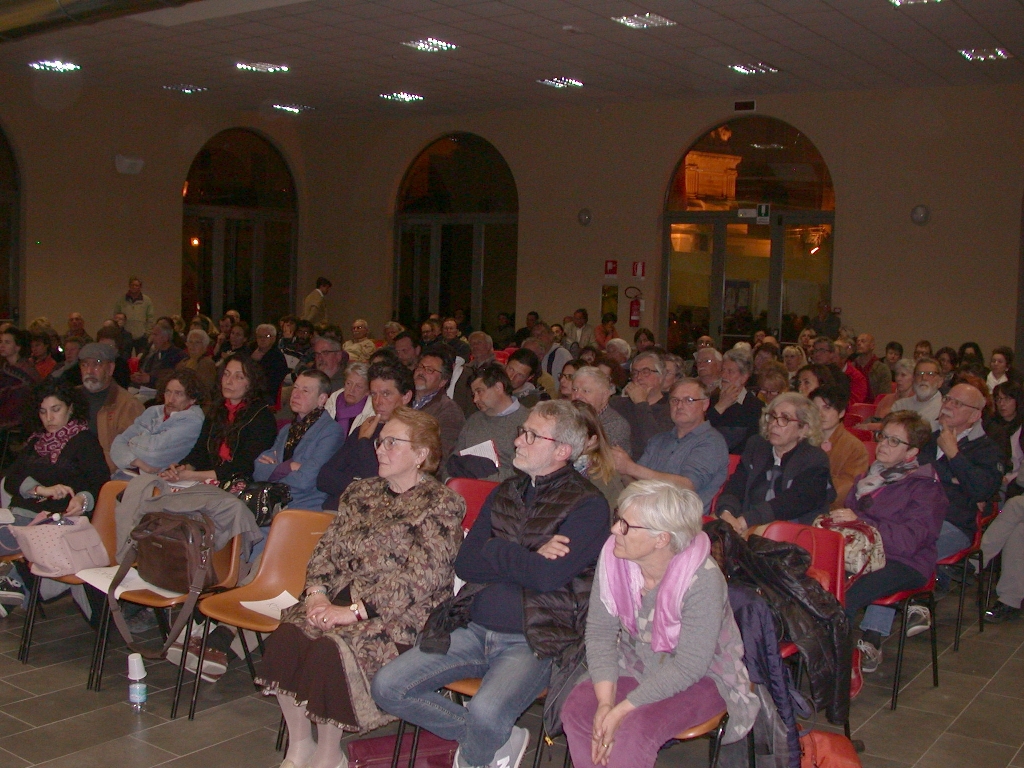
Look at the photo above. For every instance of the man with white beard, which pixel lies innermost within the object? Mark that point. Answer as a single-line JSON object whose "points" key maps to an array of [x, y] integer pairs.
{"points": [[112, 409], [926, 400]]}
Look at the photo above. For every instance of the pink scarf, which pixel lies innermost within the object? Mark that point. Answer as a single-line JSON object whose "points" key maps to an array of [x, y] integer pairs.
{"points": [[50, 444], [621, 581]]}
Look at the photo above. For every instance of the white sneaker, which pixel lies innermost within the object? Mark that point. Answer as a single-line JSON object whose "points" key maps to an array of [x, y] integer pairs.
{"points": [[510, 754], [870, 657], [919, 619]]}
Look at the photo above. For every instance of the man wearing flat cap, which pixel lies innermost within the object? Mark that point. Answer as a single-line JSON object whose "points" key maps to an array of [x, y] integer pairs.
{"points": [[112, 409]]}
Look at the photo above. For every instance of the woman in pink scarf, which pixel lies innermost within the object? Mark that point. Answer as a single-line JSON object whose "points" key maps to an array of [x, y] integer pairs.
{"points": [[663, 649]]}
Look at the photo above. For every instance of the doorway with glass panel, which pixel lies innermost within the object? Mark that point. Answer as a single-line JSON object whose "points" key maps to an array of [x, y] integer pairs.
{"points": [[456, 234], [729, 272]]}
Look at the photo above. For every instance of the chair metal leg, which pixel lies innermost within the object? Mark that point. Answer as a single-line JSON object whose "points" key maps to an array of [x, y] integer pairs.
{"points": [[415, 746], [248, 656], [181, 669], [398, 743], [935, 640], [899, 654], [199, 667], [94, 666], [282, 728], [164, 622], [567, 760], [101, 655], [716, 741], [541, 743], [981, 584], [30, 620], [960, 606]]}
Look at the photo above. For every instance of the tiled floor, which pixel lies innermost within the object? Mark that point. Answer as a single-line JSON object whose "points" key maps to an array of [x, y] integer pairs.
{"points": [[47, 717]]}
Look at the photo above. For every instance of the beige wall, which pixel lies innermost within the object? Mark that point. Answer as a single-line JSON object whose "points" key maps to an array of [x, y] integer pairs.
{"points": [[959, 151]]}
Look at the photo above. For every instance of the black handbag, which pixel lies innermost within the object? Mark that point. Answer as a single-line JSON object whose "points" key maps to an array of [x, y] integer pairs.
{"points": [[263, 499]]}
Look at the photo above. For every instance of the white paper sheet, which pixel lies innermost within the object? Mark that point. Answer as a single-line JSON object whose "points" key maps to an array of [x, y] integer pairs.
{"points": [[486, 449], [101, 578], [272, 607]]}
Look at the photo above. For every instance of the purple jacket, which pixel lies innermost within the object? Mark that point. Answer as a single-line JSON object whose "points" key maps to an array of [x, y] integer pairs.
{"points": [[908, 514]]}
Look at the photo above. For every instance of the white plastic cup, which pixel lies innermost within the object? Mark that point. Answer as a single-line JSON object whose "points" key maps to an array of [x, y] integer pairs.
{"points": [[136, 667]]}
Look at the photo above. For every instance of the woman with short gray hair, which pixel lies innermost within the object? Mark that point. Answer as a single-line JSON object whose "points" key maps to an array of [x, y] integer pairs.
{"points": [[594, 387], [657, 591], [271, 359]]}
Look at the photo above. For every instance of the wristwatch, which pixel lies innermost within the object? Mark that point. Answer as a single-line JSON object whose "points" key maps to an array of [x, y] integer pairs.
{"points": [[355, 609]]}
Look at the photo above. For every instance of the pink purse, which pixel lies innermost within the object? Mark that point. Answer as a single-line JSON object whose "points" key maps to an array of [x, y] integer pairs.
{"points": [[61, 550]]}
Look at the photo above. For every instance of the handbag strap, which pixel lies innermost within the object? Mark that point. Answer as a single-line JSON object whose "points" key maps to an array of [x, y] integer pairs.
{"points": [[198, 577]]}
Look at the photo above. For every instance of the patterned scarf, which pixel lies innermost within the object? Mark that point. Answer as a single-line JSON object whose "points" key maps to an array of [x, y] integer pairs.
{"points": [[879, 476], [50, 444], [298, 430], [224, 452]]}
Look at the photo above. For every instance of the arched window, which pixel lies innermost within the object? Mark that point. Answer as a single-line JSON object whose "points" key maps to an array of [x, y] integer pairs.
{"points": [[457, 230], [8, 232], [749, 222], [239, 230]]}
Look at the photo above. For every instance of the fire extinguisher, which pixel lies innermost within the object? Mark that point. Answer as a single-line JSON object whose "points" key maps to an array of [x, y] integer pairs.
{"points": [[635, 305]]}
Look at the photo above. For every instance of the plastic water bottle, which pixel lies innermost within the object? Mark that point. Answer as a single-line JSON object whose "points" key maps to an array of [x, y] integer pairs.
{"points": [[137, 692]]}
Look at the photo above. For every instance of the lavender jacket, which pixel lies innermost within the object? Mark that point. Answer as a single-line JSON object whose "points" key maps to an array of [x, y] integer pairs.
{"points": [[908, 514]]}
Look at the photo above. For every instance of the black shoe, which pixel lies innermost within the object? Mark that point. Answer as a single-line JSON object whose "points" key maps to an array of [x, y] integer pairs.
{"points": [[1001, 612]]}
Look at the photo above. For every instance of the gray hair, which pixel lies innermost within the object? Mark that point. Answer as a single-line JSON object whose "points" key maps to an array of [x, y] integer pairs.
{"points": [[742, 359], [620, 344], [654, 357], [797, 350], [199, 333], [335, 345], [596, 374], [806, 412], [359, 369], [715, 353], [570, 426], [664, 508], [268, 328], [393, 325], [480, 335], [904, 365]]}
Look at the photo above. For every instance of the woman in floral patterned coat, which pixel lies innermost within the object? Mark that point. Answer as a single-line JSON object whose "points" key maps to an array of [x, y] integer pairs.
{"points": [[375, 576]]}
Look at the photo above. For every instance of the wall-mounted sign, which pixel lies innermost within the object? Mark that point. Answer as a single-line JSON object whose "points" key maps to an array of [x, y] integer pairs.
{"points": [[640, 269], [611, 268]]}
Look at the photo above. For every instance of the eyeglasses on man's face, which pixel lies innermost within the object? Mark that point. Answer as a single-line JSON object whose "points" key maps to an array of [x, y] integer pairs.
{"points": [[782, 419], [947, 400], [678, 402], [926, 375], [638, 372], [531, 437]]}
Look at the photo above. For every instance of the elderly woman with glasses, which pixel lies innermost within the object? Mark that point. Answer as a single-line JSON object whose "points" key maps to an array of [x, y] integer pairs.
{"points": [[663, 649], [594, 387], [783, 473], [376, 574]]}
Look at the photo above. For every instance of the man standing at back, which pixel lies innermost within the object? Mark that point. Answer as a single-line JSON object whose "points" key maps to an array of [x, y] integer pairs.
{"points": [[137, 309], [314, 306], [529, 563]]}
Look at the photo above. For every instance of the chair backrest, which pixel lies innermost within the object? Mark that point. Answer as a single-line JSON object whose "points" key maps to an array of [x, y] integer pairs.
{"points": [[734, 462], [103, 518], [227, 562], [861, 411], [293, 537], [475, 492], [870, 446], [827, 549]]}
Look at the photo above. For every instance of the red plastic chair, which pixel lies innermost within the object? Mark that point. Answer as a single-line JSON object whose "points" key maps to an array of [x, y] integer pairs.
{"points": [[734, 462], [827, 549], [475, 492], [871, 447], [883, 396], [963, 558], [902, 600], [501, 355], [861, 411]]}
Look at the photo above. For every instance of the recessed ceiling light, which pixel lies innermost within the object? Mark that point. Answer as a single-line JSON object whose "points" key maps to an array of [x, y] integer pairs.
{"points": [[757, 68], [401, 96], [431, 45], [644, 21], [261, 66], [295, 109], [54, 66], [985, 54], [773, 145], [186, 88], [898, 3], [561, 82]]}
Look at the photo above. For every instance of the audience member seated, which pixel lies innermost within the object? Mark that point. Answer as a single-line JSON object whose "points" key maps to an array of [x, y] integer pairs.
{"points": [[271, 360], [42, 360], [300, 353], [391, 329], [875, 371], [197, 345], [597, 463], [76, 330], [815, 375], [772, 381], [239, 343], [523, 368], [497, 420], [382, 566], [735, 411], [692, 454], [481, 353], [617, 354], [1005, 422], [903, 376], [528, 561], [904, 501], [163, 434], [407, 349], [806, 341], [1001, 368], [112, 409], [431, 377], [709, 369], [122, 373], [239, 426], [69, 371], [158, 365], [223, 340], [659, 661], [643, 340], [893, 354], [390, 386], [452, 338], [970, 356], [348, 405], [61, 467], [505, 332], [430, 334], [565, 378], [592, 386], [606, 331], [927, 400], [18, 370], [643, 404], [766, 353], [547, 387], [794, 359], [847, 456], [303, 446], [553, 355], [580, 332], [783, 474], [948, 361], [361, 345], [859, 389]]}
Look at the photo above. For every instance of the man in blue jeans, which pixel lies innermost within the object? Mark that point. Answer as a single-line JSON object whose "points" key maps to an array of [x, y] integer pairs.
{"points": [[528, 562]]}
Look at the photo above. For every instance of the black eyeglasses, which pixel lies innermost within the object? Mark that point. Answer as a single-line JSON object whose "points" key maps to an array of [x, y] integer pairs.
{"points": [[891, 440], [531, 436], [388, 443], [618, 520]]}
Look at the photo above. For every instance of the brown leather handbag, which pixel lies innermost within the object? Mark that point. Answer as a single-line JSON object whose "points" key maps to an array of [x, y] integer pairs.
{"points": [[173, 551]]}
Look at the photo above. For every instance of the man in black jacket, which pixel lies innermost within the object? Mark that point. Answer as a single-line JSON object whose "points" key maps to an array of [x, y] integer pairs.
{"points": [[529, 562]]}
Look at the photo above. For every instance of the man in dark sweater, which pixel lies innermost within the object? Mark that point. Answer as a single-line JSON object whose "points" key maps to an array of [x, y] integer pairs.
{"points": [[529, 562]]}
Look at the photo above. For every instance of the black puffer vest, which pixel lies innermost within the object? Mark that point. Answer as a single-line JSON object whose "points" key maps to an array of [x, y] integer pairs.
{"points": [[554, 620]]}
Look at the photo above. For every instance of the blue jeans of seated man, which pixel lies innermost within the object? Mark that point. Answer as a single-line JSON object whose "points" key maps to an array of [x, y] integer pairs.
{"points": [[951, 540], [513, 677]]}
